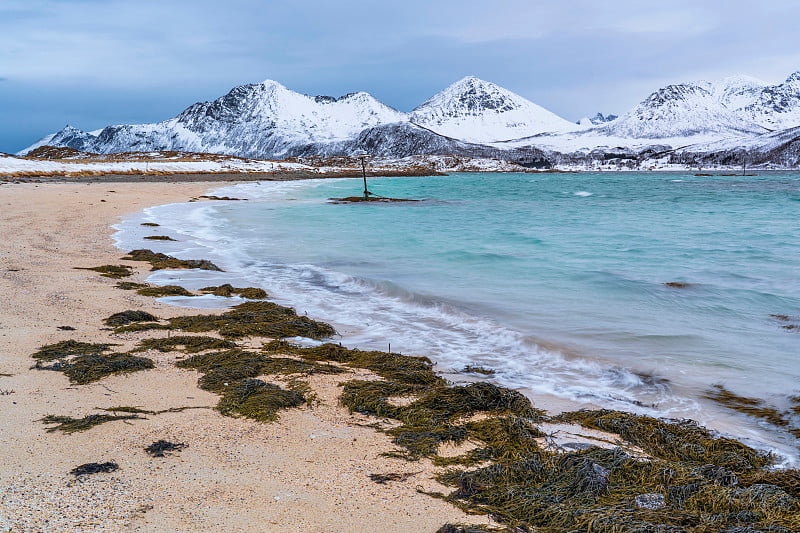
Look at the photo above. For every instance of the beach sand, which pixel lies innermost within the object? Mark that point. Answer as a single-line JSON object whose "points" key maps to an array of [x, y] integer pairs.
{"points": [[307, 472]]}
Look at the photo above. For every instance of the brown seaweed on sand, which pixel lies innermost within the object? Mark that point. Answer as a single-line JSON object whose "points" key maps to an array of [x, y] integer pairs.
{"points": [[111, 271], [160, 261]]}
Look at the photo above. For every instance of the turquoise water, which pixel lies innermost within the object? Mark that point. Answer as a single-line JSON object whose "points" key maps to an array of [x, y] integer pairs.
{"points": [[554, 280]]}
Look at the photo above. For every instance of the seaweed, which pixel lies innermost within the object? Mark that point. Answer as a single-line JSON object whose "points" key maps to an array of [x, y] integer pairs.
{"points": [[460, 528], [227, 290], [225, 369], [94, 468], [159, 238], [164, 290], [190, 344], [474, 369], [68, 424], [749, 406], [89, 368], [65, 349], [151, 224], [84, 362], [676, 284], [162, 448], [682, 440], [159, 261], [130, 285], [140, 326], [258, 400], [255, 319], [127, 317], [66, 328], [383, 479], [111, 271], [405, 369], [229, 198]]}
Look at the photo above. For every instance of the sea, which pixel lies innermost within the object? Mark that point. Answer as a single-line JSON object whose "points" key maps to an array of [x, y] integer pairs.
{"points": [[620, 290]]}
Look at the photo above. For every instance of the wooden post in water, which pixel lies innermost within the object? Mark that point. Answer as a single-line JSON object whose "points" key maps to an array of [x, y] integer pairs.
{"points": [[364, 175]]}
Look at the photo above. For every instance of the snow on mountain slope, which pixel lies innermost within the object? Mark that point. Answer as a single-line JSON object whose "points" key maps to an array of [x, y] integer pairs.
{"points": [[682, 110], [776, 107], [475, 110], [256, 120], [735, 92]]}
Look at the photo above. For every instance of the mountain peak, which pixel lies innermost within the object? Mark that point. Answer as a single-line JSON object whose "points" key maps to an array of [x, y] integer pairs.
{"points": [[680, 110], [794, 78], [476, 110]]}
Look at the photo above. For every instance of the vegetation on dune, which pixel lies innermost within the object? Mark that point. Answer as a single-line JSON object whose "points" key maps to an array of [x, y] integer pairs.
{"points": [[160, 261], [111, 271]]}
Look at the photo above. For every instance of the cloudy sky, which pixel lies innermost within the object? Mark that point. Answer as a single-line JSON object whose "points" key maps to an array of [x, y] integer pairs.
{"points": [[90, 63]]}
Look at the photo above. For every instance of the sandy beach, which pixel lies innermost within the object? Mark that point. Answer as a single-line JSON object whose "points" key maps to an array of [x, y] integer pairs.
{"points": [[307, 472]]}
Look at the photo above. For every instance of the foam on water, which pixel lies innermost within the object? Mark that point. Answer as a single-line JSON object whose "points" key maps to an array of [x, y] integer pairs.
{"points": [[547, 314]]}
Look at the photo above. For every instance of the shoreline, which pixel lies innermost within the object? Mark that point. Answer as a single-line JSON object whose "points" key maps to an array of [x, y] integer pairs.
{"points": [[46, 292], [309, 471]]}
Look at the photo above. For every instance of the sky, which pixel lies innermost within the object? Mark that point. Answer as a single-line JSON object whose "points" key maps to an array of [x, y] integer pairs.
{"points": [[91, 63]]}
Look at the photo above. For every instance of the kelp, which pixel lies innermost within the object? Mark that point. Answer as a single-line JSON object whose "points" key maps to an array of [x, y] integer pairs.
{"points": [[186, 343], [162, 448], [89, 368], [111, 271], [68, 424], [159, 238], [749, 406], [258, 400], [94, 468], [227, 290], [159, 261], [231, 374], [126, 317], [140, 326], [131, 285], [225, 369], [164, 290], [85, 362], [682, 440], [255, 319], [69, 348], [690, 480], [475, 369], [410, 370]]}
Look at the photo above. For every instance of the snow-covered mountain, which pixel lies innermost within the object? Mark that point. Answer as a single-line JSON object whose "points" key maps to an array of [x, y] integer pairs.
{"points": [[256, 120], [596, 120], [736, 92], [776, 107], [683, 110], [472, 118], [478, 111]]}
